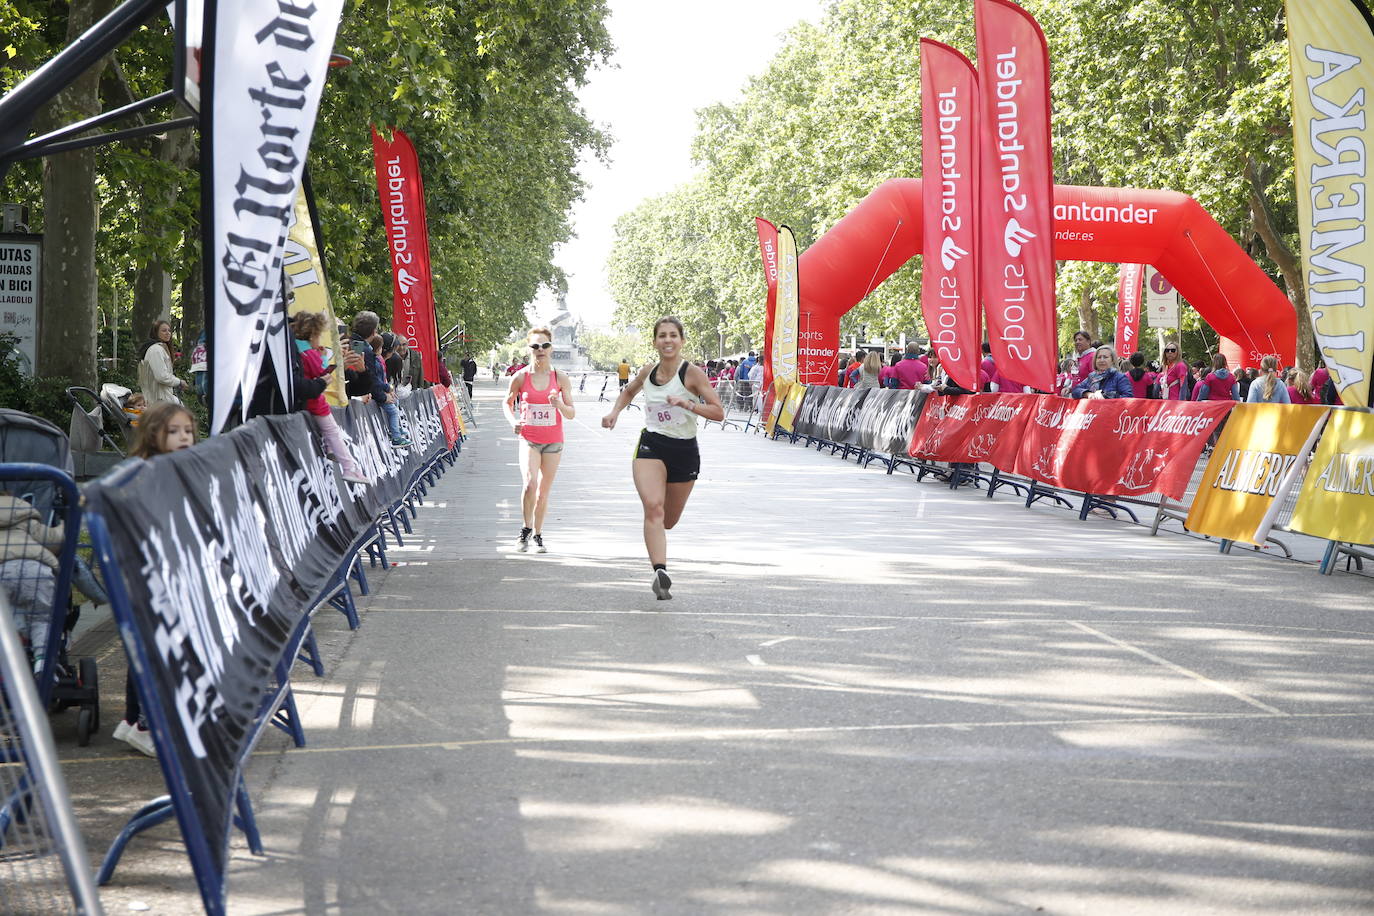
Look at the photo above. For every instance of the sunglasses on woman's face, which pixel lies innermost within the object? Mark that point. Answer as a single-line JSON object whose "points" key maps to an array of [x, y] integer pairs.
{"points": [[541, 346]]}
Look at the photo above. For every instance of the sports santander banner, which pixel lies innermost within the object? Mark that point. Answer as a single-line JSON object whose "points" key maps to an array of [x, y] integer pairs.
{"points": [[265, 65], [1119, 447], [1260, 446], [407, 236], [768, 248], [1016, 204], [949, 161], [1331, 45], [973, 427], [1128, 310]]}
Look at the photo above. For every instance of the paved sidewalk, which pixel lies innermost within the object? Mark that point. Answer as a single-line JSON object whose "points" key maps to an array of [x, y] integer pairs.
{"points": [[869, 695]]}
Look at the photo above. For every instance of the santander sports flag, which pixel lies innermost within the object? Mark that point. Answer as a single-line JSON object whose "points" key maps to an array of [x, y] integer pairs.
{"points": [[1128, 310], [1016, 257], [949, 167], [768, 247], [407, 241]]}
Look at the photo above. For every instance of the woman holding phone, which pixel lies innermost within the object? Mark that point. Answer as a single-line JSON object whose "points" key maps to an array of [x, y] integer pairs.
{"points": [[666, 459]]}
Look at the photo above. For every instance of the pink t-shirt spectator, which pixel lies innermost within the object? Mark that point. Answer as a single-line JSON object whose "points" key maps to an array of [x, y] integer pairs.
{"points": [[1140, 387], [911, 373], [888, 372], [1085, 365], [1295, 396], [1171, 381], [1319, 379]]}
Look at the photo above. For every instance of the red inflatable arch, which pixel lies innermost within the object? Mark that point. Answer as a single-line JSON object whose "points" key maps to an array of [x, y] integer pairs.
{"points": [[1119, 225]]}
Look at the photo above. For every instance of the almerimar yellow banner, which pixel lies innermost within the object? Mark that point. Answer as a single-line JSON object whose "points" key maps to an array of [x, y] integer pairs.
{"points": [[785, 317], [1259, 446], [1331, 43], [1337, 498], [301, 260], [791, 405]]}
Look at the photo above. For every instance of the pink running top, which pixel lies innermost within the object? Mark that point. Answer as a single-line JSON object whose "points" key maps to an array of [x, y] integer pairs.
{"points": [[543, 422]]}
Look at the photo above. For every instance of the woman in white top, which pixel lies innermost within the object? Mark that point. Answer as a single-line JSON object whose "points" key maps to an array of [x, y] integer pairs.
{"points": [[155, 375], [667, 461]]}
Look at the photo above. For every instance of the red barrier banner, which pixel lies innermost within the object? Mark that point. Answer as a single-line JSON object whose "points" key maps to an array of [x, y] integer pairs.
{"points": [[407, 236], [949, 160], [1117, 447], [973, 428], [448, 414], [1128, 310], [1016, 203]]}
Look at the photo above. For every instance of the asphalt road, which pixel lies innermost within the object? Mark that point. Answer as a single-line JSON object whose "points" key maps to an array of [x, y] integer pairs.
{"points": [[868, 695]]}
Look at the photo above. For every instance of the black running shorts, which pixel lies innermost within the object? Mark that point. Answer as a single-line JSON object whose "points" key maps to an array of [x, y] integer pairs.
{"points": [[680, 456]]}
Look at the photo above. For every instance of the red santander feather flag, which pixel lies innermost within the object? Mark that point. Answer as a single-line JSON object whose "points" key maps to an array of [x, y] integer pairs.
{"points": [[1128, 310], [1016, 257], [768, 247], [407, 242], [949, 167]]}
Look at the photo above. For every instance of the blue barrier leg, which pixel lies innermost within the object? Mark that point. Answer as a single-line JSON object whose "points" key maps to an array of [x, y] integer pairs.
{"points": [[1329, 558], [150, 815], [310, 653], [245, 820], [287, 718], [359, 574], [342, 601]]}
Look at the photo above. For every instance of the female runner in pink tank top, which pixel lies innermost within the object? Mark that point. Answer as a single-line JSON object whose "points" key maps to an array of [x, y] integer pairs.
{"points": [[545, 398]]}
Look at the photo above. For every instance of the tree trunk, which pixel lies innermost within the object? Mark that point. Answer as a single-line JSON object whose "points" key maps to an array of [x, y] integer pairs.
{"points": [[1290, 266], [1087, 314], [152, 283], [192, 299], [71, 218]]}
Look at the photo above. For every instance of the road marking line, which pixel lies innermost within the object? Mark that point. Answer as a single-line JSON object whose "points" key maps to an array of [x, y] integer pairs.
{"points": [[774, 642], [720, 734], [755, 661], [860, 629], [1179, 669]]}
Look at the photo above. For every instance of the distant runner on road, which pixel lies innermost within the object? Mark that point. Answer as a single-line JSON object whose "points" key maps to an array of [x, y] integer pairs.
{"points": [[545, 398], [667, 461]]}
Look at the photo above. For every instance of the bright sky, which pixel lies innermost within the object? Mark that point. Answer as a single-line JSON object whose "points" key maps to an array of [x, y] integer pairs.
{"points": [[671, 59]]}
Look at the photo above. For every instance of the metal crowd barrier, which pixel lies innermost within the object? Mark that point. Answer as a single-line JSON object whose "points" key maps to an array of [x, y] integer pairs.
{"points": [[43, 864], [278, 706]]}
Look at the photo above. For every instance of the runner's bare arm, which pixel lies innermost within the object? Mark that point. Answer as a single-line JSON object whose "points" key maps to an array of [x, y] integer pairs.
{"points": [[700, 385], [627, 394], [563, 399], [508, 406]]}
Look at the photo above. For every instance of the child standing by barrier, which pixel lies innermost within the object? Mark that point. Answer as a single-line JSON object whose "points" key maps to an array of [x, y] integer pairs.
{"points": [[165, 427], [309, 329]]}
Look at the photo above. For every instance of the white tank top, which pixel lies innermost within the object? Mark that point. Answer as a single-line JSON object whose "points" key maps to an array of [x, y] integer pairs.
{"points": [[664, 418]]}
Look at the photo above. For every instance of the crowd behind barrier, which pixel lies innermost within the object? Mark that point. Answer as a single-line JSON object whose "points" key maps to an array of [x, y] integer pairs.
{"points": [[1274, 467], [216, 558]]}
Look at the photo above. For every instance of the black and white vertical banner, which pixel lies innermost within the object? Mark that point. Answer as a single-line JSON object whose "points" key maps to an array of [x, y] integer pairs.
{"points": [[264, 64], [224, 548]]}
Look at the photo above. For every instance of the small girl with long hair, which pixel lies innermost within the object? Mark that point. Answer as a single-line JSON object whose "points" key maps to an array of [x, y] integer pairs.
{"points": [[309, 328], [164, 428]]}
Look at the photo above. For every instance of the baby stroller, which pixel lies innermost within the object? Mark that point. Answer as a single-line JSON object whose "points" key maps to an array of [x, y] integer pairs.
{"points": [[40, 517], [94, 416]]}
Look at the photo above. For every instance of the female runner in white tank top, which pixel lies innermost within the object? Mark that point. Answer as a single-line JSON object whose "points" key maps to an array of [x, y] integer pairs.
{"points": [[545, 396], [666, 459]]}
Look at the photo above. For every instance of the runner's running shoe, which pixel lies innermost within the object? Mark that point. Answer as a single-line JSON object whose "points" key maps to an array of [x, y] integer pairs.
{"points": [[524, 539], [539, 544], [661, 584]]}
